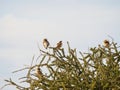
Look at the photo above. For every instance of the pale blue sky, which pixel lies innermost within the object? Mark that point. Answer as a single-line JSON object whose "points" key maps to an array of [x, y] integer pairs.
{"points": [[23, 23]]}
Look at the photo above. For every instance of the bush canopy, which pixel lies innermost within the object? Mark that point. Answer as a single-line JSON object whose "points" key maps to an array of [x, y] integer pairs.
{"points": [[67, 69]]}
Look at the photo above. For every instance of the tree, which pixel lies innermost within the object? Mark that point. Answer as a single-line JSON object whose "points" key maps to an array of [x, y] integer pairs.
{"points": [[98, 69]]}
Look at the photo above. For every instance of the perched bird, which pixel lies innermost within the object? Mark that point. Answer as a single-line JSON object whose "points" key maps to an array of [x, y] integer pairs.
{"points": [[38, 72], [45, 43], [59, 45], [106, 43]]}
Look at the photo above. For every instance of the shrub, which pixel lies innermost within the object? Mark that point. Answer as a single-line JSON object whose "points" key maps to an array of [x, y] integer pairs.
{"points": [[98, 69]]}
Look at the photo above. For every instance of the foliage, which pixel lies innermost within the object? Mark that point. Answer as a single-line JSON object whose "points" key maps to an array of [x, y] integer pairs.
{"points": [[98, 69]]}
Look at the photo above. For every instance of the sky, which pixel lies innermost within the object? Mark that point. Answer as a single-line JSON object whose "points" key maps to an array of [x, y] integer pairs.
{"points": [[24, 23]]}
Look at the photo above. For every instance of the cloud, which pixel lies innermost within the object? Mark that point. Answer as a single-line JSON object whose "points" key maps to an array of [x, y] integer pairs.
{"points": [[15, 27]]}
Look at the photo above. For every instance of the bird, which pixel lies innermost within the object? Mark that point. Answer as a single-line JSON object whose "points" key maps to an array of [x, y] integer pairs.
{"points": [[38, 72], [46, 43], [59, 45], [106, 43]]}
